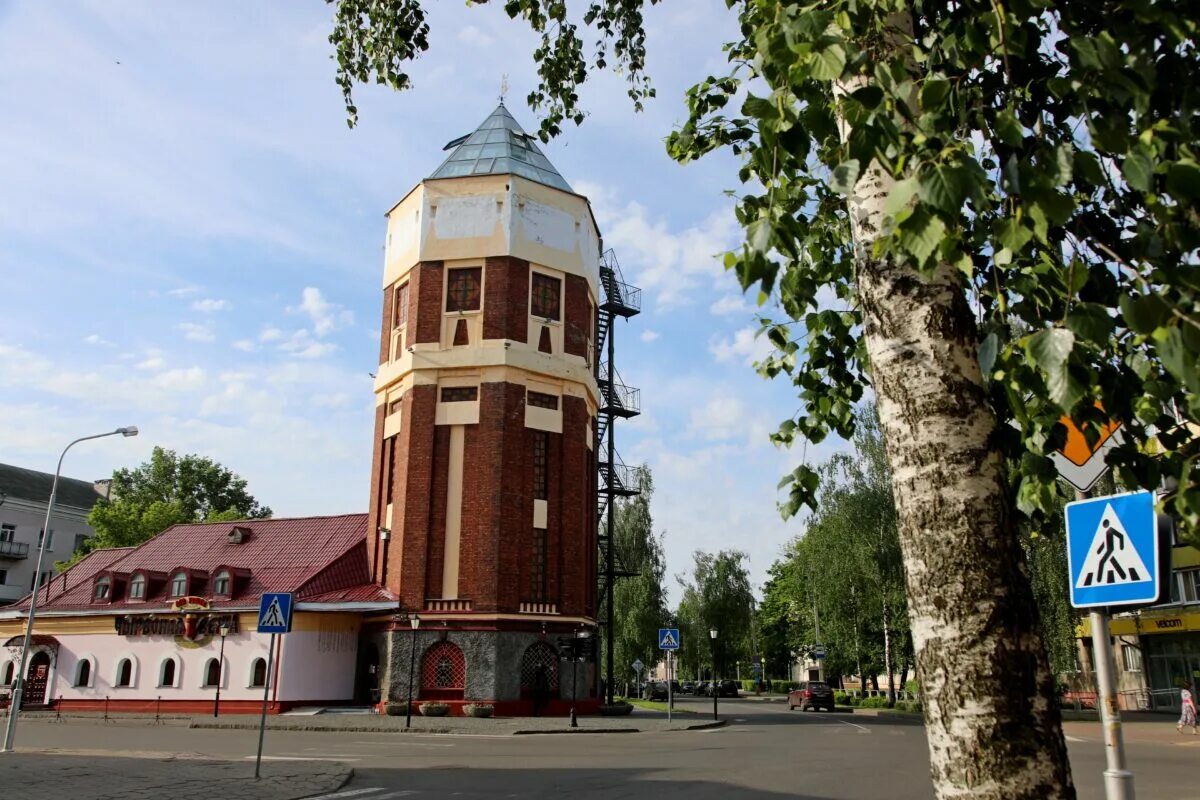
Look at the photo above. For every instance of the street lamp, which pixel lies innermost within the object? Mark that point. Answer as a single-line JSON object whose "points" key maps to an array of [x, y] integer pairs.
{"points": [[224, 630], [19, 679], [716, 687], [415, 622]]}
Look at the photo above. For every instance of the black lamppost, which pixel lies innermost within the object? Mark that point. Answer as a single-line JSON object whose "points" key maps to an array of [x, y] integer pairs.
{"points": [[415, 622], [716, 687], [224, 631]]}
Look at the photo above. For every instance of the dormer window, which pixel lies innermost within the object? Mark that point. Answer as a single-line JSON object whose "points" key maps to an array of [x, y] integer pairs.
{"points": [[137, 588], [103, 589], [223, 584], [179, 584]]}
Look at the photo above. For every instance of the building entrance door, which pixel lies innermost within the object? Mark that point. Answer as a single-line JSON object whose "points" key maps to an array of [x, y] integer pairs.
{"points": [[1171, 660], [35, 680]]}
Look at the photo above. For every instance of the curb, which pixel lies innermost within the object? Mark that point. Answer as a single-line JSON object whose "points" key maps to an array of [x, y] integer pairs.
{"points": [[345, 782], [235, 726], [575, 731], [704, 726]]}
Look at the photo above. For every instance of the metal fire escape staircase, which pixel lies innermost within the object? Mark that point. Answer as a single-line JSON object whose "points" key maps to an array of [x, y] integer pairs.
{"points": [[617, 401]]}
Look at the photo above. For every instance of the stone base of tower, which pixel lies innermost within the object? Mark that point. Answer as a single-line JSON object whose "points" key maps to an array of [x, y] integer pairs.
{"points": [[518, 672]]}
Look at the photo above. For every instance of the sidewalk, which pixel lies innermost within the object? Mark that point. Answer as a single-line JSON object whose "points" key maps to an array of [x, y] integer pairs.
{"points": [[129, 777]]}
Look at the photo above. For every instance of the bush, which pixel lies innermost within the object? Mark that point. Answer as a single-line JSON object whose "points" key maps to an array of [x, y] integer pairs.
{"points": [[434, 709], [616, 710], [782, 687], [749, 686], [902, 705], [394, 709], [874, 702], [479, 710], [841, 698]]}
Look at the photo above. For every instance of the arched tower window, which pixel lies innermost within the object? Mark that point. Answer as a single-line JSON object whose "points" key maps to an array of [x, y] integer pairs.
{"points": [[10, 669], [125, 673], [84, 676], [212, 673], [258, 673], [539, 669], [167, 672]]}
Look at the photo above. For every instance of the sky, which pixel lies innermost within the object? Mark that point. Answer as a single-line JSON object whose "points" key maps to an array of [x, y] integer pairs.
{"points": [[191, 242]]}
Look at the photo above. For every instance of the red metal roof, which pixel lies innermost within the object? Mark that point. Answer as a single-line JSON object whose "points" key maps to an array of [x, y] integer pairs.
{"points": [[311, 556]]}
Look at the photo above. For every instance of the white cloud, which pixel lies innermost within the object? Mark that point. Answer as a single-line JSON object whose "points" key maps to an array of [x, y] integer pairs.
{"points": [[649, 335], [332, 401], [326, 316], [301, 345], [209, 305], [730, 304], [667, 263], [196, 333], [98, 340], [181, 380], [270, 334], [183, 292], [473, 36], [722, 417], [152, 363], [245, 345], [742, 345]]}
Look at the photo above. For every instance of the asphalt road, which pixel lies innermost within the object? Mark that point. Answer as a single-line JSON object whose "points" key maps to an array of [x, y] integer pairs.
{"points": [[765, 752]]}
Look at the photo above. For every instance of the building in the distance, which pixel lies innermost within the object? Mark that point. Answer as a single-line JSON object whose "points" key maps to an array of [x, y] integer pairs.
{"points": [[482, 516], [24, 494]]}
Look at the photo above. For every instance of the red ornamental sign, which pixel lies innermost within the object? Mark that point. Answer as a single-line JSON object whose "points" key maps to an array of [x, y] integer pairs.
{"points": [[190, 626]]}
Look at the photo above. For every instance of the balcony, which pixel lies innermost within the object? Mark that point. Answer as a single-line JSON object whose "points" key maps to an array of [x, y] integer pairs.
{"points": [[619, 400], [447, 605], [14, 551], [539, 608]]}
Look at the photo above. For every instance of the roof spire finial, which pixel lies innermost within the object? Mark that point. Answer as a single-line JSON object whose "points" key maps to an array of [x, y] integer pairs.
{"points": [[503, 87]]}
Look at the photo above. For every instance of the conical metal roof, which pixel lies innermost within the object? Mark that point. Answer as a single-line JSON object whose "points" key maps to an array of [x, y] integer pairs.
{"points": [[499, 147]]}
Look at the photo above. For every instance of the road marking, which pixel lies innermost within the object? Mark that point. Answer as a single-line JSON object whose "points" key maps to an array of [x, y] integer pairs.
{"points": [[835, 719], [390, 795], [348, 793], [301, 758], [1075, 739]]}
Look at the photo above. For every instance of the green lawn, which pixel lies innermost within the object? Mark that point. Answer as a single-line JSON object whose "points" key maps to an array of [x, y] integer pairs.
{"points": [[654, 705]]}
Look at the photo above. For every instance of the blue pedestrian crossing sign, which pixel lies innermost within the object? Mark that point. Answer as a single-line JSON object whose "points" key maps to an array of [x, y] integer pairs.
{"points": [[1113, 551], [668, 638], [275, 613]]}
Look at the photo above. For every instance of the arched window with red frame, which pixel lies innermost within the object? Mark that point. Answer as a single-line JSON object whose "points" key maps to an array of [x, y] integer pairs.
{"points": [[443, 672]]}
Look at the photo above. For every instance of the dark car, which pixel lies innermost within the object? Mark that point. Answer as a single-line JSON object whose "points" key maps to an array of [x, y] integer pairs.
{"points": [[702, 688], [727, 689], [811, 694], [656, 690], [687, 687]]}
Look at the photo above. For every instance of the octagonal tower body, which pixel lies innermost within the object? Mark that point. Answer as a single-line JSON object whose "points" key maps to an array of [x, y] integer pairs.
{"points": [[482, 490]]}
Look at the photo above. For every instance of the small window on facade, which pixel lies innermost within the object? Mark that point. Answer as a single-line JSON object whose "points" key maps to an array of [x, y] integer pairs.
{"points": [[212, 673], [103, 588], [541, 454], [80, 541], [10, 669], [137, 588], [546, 293], [541, 400], [179, 584], [460, 394], [258, 674], [463, 289], [3, 576], [400, 306], [125, 673], [167, 675], [222, 584], [1132, 656], [84, 676], [49, 539], [394, 407], [7, 532]]}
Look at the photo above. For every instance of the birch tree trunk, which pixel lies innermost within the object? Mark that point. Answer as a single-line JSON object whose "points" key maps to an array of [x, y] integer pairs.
{"points": [[993, 726], [887, 656]]}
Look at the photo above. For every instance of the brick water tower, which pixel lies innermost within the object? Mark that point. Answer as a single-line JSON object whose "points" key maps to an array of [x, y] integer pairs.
{"points": [[483, 488]]}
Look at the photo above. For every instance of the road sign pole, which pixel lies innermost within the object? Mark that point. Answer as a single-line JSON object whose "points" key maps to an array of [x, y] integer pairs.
{"points": [[1118, 781], [262, 722], [670, 675]]}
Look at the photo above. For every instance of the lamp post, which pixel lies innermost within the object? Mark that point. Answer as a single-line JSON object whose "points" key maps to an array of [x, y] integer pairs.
{"points": [[19, 679], [224, 630], [415, 622], [716, 687]]}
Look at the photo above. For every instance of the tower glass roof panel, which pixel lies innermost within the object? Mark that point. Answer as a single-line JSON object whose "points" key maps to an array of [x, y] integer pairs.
{"points": [[499, 147]]}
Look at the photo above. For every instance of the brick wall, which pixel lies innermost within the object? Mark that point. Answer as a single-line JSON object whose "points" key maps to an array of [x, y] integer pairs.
{"points": [[385, 329], [576, 322], [425, 301], [375, 506], [412, 512], [506, 298]]}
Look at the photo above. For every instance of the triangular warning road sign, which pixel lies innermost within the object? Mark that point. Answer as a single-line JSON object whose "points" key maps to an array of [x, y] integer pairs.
{"points": [[274, 616], [668, 640], [1111, 558]]}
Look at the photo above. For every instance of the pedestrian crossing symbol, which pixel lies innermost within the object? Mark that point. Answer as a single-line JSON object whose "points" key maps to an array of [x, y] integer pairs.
{"points": [[275, 613], [1113, 550], [668, 638]]}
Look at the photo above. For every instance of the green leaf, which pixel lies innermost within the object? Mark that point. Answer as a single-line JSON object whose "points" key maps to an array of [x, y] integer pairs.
{"points": [[1050, 348], [1138, 172], [845, 175], [1091, 322], [1145, 313], [988, 349], [1009, 129], [1183, 179], [828, 64], [934, 92], [900, 196], [945, 187], [758, 235], [921, 234], [1012, 235]]}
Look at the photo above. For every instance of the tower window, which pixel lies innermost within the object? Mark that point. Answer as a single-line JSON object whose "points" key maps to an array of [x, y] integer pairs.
{"points": [[538, 572], [460, 394], [541, 457], [542, 400], [400, 306], [546, 296], [463, 289]]}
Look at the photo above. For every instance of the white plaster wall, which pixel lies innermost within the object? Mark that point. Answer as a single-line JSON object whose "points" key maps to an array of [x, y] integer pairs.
{"points": [[319, 665]]}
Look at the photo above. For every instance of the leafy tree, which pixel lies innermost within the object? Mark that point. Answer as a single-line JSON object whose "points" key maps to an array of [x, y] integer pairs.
{"points": [[639, 602], [718, 595], [164, 491], [943, 169]]}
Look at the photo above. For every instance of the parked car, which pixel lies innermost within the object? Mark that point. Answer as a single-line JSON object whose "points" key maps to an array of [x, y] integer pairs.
{"points": [[727, 689], [656, 690], [702, 688], [811, 694], [687, 687]]}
